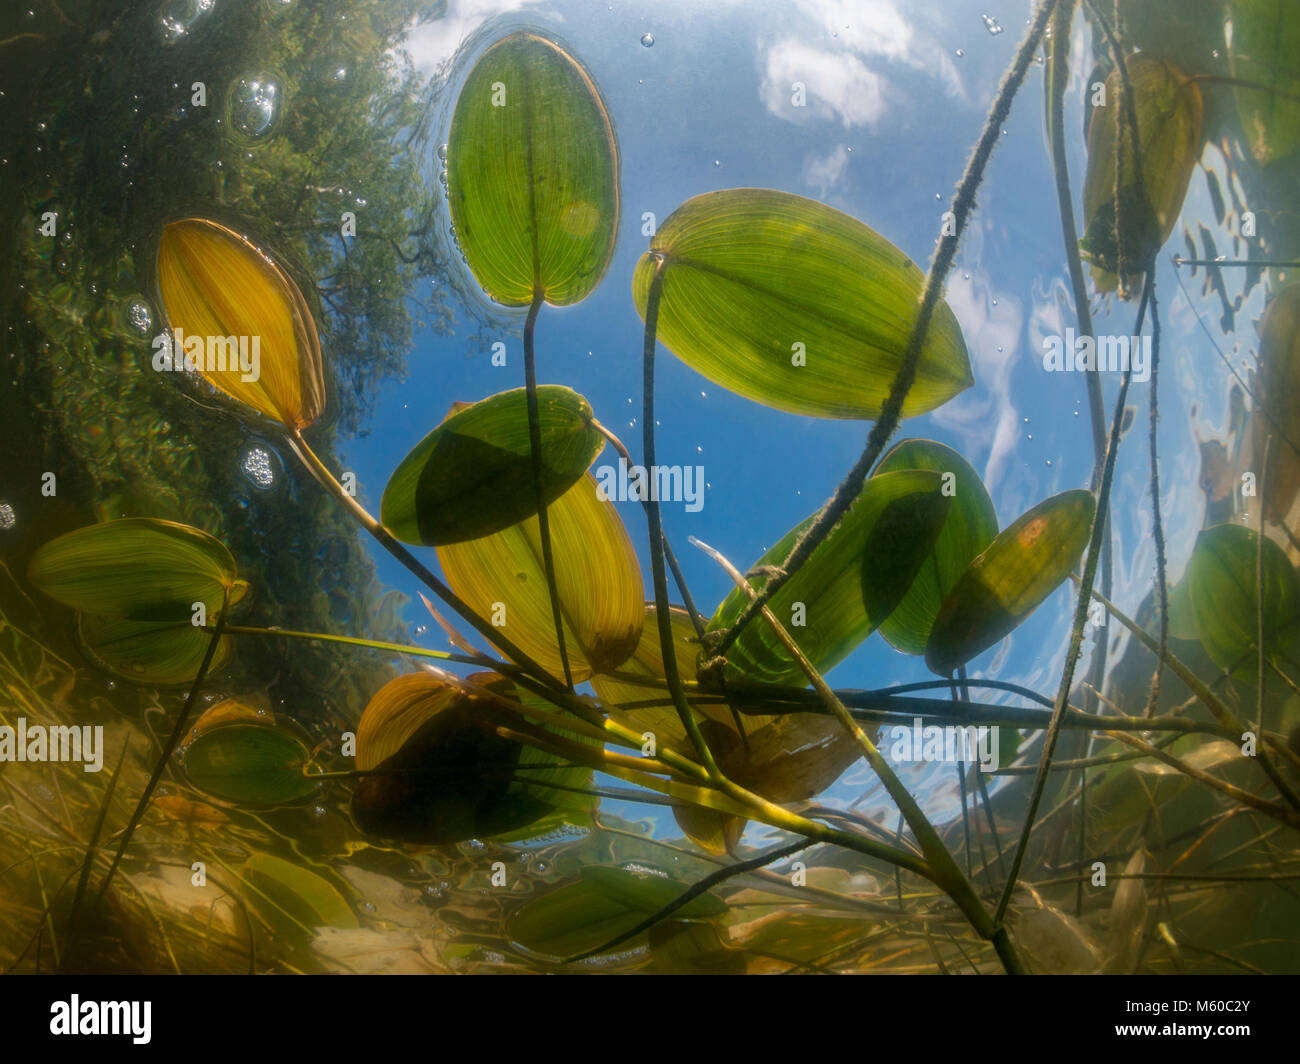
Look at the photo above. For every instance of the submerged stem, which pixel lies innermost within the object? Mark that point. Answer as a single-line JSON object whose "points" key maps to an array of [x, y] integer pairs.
{"points": [[385, 539], [535, 449], [962, 204]]}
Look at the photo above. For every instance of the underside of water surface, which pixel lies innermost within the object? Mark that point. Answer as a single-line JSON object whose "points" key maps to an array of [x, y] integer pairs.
{"points": [[707, 487]]}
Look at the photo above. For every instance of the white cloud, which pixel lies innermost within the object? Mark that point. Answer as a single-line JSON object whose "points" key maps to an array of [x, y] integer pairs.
{"points": [[825, 172], [433, 43], [842, 81], [836, 85]]}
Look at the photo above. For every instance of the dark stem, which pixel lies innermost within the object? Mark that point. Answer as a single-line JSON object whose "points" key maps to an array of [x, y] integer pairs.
{"points": [[962, 204], [693, 892], [535, 446], [160, 766], [656, 529], [1076, 636]]}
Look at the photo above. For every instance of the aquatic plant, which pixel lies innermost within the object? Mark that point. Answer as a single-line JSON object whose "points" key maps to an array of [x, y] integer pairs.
{"points": [[723, 718]]}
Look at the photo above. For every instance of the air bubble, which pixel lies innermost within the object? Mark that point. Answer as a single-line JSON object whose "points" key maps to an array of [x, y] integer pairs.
{"points": [[139, 318], [648, 40], [991, 24], [254, 106]]}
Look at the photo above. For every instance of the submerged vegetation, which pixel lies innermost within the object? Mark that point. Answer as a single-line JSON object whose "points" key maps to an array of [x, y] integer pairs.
{"points": [[1150, 832]]}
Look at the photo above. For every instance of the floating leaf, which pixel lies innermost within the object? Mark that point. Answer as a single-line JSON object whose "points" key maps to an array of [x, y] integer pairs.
{"points": [[1182, 619], [1263, 39], [216, 287], [1021, 567], [1168, 108], [447, 775], [795, 305], [1279, 390], [165, 653], [473, 475], [852, 581], [971, 524], [1223, 592], [136, 567], [605, 902], [250, 764], [601, 591], [532, 169], [293, 899]]}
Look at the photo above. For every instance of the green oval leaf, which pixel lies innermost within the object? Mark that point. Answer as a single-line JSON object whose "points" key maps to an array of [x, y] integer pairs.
{"points": [[971, 524], [250, 764], [1169, 110], [164, 653], [1279, 391], [999, 589], [601, 590], [293, 899], [1224, 596], [136, 567], [1263, 40], [605, 902], [473, 475], [532, 170], [796, 305], [853, 580]]}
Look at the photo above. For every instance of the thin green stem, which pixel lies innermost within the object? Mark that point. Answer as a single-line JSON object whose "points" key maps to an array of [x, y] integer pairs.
{"points": [[653, 519], [385, 539], [535, 450], [1076, 641], [963, 204], [160, 766], [945, 872]]}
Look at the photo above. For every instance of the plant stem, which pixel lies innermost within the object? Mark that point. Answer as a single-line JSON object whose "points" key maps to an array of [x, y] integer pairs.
{"points": [[1076, 640], [385, 539], [945, 872], [693, 892], [653, 519], [178, 729], [697, 620], [962, 204], [535, 448]]}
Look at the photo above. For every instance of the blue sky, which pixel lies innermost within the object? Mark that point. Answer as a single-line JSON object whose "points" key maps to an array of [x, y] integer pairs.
{"points": [[897, 94]]}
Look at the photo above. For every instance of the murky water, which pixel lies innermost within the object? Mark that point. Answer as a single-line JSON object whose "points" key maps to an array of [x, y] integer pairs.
{"points": [[320, 134]]}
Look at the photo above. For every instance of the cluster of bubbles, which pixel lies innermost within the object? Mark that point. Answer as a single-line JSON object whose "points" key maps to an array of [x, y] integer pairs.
{"points": [[254, 105], [257, 467]]}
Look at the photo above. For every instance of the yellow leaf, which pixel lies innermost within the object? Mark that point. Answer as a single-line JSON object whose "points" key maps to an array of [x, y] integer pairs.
{"points": [[217, 288]]}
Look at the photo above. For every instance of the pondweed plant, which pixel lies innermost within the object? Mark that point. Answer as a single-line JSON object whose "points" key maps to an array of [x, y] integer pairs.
{"points": [[725, 719]]}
